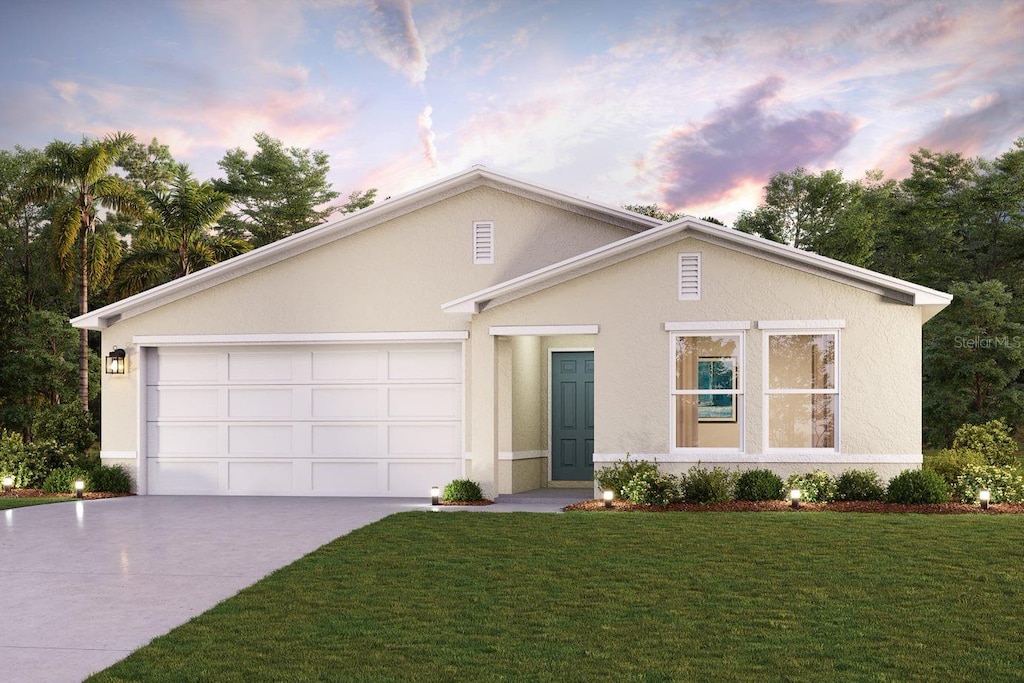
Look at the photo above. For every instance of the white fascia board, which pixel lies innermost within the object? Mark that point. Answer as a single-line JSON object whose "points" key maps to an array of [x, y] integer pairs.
{"points": [[325, 338], [714, 325], [836, 324], [541, 330]]}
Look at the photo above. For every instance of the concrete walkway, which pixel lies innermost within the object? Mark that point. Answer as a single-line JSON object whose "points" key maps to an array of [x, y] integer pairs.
{"points": [[86, 583]]}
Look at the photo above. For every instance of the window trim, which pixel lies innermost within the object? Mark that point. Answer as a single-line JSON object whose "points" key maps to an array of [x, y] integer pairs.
{"points": [[478, 227], [742, 392], [796, 329]]}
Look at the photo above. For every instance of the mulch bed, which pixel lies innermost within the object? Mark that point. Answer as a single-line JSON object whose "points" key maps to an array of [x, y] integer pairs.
{"points": [[39, 493], [784, 506], [464, 503]]}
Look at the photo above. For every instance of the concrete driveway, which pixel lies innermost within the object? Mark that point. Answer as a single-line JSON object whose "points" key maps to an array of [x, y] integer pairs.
{"points": [[83, 584]]}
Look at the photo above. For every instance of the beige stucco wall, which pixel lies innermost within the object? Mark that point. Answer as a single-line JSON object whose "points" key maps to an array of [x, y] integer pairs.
{"points": [[390, 277], [880, 357]]}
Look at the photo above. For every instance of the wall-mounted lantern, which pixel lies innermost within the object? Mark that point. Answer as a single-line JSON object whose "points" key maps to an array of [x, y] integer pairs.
{"points": [[115, 362]]}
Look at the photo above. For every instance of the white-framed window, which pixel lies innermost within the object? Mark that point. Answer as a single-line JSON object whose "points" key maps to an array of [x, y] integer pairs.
{"points": [[483, 242], [801, 390], [689, 277], [706, 391]]}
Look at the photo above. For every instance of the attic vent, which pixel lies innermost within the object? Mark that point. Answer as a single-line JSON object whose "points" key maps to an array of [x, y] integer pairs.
{"points": [[689, 277], [483, 242]]}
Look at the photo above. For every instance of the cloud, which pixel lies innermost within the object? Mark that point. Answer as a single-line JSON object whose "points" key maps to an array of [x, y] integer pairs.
{"points": [[393, 38], [426, 129], [745, 142]]}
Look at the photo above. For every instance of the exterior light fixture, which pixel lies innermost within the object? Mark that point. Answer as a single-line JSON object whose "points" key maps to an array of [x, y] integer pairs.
{"points": [[794, 499], [984, 496], [79, 487], [435, 495], [115, 361], [8, 484], [609, 495]]}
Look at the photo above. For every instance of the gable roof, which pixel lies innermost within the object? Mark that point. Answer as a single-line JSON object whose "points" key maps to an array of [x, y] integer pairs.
{"points": [[388, 209], [931, 300]]}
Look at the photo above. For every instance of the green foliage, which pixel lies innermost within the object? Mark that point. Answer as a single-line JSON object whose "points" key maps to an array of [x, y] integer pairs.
{"points": [[950, 463], [653, 211], [62, 480], [30, 463], [759, 484], [616, 477], [859, 485], [651, 487], [992, 439], [716, 485], [1005, 484], [462, 490], [815, 487], [109, 479], [65, 423], [917, 487]]}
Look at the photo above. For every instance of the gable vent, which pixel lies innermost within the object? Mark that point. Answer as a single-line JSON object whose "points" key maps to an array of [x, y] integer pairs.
{"points": [[483, 242], [689, 277]]}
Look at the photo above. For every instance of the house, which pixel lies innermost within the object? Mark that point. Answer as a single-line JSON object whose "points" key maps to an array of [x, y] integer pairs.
{"points": [[487, 327]]}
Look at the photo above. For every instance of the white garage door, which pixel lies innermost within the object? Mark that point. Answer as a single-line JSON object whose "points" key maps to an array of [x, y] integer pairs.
{"points": [[347, 420]]}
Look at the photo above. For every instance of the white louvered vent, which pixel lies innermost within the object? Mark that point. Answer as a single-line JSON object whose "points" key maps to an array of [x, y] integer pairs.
{"points": [[483, 242], [689, 277]]}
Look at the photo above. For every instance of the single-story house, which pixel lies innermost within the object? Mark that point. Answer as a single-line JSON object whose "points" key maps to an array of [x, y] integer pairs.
{"points": [[491, 328]]}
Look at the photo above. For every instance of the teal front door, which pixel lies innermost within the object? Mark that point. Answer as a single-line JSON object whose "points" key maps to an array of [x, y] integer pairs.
{"points": [[572, 416]]}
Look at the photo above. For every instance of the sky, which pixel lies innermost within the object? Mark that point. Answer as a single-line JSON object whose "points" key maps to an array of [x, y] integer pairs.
{"points": [[691, 104]]}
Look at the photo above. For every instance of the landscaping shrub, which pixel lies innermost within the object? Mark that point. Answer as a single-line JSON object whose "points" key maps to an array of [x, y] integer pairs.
{"points": [[62, 480], [462, 490], [616, 477], [110, 479], [859, 485], [709, 486], [759, 485], [815, 487], [29, 463], [992, 439], [651, 487], [950, 463], [65, 423], [915, 487], [1005, 484]]}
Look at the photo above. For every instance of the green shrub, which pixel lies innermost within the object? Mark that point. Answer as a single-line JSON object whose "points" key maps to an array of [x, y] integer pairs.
{"points": [[110, 479], [716, 485], [62, 480], [651, 487], [1005, 484], [992, 439], [815, 487], [950, 463], [915, 487], [462, 490], [616, 477], [29, 463], [859, 485], [759, 485], [66, 424]]}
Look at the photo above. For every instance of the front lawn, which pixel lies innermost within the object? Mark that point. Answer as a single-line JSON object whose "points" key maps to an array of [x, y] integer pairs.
{"points": [[8, 503], [734, 596]]}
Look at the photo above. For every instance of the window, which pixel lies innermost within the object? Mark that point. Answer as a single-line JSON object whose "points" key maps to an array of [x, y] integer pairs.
{"points": [[483, 242], [707, 391], [802, 390], [689, 277]]}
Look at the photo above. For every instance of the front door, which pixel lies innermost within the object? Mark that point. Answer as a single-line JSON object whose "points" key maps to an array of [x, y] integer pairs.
{"points": [[572, 416]]}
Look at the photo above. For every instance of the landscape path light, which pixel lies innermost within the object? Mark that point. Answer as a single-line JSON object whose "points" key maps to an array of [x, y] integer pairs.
{"points": [[794, 499], [609, 495], [8, 484], [984, 496], [435, 495], [79, 488]]}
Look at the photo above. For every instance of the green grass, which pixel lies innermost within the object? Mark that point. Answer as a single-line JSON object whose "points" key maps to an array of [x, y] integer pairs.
{"points": [[723, 596], [8, 503]]}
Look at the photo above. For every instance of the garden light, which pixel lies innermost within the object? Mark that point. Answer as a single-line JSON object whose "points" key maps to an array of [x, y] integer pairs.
{"points": [[794, 499], [435, 495], [984, 496], [115, 361], [608, 496], [79, 487], [8, 484]]}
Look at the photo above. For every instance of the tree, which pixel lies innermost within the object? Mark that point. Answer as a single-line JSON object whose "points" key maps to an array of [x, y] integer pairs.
{"points": [[150, 167], [78, 180], [654, 211], [277, 192], [181, 240]]}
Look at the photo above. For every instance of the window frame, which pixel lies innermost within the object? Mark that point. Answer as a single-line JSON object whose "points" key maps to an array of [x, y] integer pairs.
{"points": [[741, 411], [796, 329]]}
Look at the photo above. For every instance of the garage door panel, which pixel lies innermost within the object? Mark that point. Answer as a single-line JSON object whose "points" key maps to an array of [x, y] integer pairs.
{"points": [[259, 477], [184, 439], [416, 478], [187, 403], [361, 440], [269, 403], [352, 478], [417, 364], [276, 366], [168, 476], [260, 439], [420, 402], [345, 366], [346, 403], [185, 367], [423, 439]]}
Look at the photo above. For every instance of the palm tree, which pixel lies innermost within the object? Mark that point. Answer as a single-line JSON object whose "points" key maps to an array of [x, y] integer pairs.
{"points": [[77, 181], [181, 239]]}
